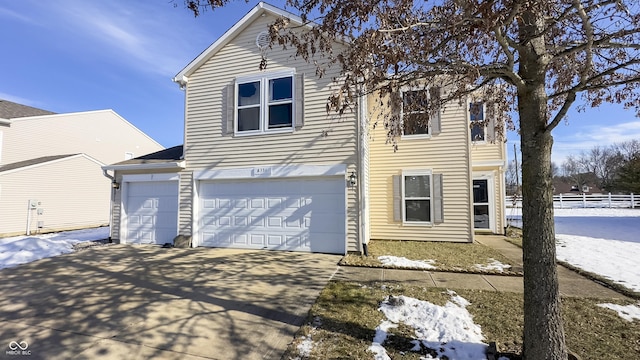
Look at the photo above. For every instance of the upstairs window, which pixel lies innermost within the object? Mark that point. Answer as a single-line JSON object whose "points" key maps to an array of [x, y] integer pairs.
{"points": [[415, 118], [476, 114], [264, 103]]}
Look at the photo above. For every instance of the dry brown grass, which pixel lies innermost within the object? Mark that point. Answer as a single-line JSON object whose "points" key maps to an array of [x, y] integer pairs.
{"points": [[457, 257], [346, 315]]}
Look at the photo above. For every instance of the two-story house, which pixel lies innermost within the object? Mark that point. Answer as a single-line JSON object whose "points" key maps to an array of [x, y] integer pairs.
{"points": [[50, 166], [264, 165]]}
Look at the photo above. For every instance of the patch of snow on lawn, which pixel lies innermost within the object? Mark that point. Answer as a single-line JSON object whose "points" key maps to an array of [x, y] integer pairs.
{"points": [[403, 262], [493, 265], [448, 329], [305, 347], [627, 312], [24, 249], [379, 352], [612, 259]]}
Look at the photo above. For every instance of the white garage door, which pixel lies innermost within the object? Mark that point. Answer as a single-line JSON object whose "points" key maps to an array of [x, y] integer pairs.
{"points": [[152, 212], [297, 215]]}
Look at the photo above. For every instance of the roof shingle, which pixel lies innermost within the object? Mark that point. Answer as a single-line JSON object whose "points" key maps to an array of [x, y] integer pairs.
{"points": [[11, 110]]}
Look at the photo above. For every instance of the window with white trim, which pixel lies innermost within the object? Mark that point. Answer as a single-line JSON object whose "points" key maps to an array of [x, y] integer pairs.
{"points": [[416, 197], [415, 118], [476, 115], [264, 103]]}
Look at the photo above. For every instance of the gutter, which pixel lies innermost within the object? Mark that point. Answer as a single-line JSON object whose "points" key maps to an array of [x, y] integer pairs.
{"points": [[5, 122], [164, 165]]}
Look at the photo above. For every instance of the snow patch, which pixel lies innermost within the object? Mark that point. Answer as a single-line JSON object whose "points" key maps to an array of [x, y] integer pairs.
{"points": [[493, 265], [627, 312], [449, 330], [24, 249], [403, 262], [613, 259]]}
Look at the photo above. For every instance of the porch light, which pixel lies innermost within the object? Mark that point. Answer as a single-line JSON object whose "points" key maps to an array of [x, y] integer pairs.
{"points": [[353, 179], [115, 185]]}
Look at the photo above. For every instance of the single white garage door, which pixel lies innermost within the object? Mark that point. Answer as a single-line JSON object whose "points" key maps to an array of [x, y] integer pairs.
{"points": [[151, 212], [296, 215]]}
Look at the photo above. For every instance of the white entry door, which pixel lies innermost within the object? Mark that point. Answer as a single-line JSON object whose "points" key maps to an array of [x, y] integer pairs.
{"points": [[297, 215], [151, 212]]}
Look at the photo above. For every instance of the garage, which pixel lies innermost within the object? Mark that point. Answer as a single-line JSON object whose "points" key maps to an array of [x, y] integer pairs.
{"points": [[151, 212], [287, 214]]}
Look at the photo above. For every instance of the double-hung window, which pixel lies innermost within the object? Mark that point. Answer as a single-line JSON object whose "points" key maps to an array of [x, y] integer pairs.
{"points": [[415, 117], [416, 197], [264, 103], [476, 114]]}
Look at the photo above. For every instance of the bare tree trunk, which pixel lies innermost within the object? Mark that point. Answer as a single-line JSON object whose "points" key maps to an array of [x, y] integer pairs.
{"points": [[543, 328]]}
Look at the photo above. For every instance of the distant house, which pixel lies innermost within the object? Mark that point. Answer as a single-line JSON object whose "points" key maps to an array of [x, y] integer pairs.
{"points": [[50, 166], [265, 167], [566, 186]]}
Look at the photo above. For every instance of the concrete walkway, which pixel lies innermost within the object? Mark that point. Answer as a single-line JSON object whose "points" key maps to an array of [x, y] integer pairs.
{"points": [[571, 283]]}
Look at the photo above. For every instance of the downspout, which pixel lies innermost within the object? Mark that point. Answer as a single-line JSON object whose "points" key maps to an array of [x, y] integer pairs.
{"points": [[112, 197], [361, 175]]}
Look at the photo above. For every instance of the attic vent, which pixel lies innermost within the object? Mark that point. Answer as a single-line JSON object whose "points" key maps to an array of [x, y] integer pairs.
{"points": [[263, 39]]}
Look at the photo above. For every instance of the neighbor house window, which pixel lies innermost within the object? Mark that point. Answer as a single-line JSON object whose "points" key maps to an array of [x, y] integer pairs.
{"points": [[476, 114], [415, 116], [264, 103], [416, 197]]}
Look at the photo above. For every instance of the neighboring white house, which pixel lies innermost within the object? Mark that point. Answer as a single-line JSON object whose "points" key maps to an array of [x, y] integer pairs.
{"points": [[265, 167], [50, 166]]}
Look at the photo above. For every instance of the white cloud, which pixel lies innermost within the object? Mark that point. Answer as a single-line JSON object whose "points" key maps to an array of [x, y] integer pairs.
{"points": [[137, 35], [4, 12], [590, 136]]}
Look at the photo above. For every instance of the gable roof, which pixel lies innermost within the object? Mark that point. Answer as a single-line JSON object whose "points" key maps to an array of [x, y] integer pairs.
{"points": [[183, 76], [25, 164], [11, 110], [167, 158]]}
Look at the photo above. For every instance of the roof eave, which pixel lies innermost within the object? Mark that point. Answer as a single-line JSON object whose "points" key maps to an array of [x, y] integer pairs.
{"points": [[5, 122], [147, 166]]}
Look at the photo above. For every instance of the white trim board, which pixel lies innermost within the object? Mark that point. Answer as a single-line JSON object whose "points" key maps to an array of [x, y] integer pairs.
{"points": [[272, 171]]}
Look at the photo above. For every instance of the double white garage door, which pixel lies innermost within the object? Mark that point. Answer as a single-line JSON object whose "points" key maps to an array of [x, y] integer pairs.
{"points": [[297, 215]]}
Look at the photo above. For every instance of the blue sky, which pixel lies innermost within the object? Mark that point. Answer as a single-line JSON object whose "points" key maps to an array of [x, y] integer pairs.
{"points": [[79, 55]]}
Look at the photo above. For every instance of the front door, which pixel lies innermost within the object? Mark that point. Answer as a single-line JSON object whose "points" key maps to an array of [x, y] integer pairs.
{"points": [[482, 216]]}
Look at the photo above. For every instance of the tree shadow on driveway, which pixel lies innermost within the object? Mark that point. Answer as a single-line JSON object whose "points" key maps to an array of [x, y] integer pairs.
{"points": [[145, 302]]}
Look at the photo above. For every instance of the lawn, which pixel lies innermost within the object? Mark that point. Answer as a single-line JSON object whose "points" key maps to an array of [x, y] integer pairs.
{"points": [[342, 324], [455, 257]]}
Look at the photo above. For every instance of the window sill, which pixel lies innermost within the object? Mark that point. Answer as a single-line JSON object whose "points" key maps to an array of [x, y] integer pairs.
{"points": [[415, 137], [417, 224], [267, 132]]}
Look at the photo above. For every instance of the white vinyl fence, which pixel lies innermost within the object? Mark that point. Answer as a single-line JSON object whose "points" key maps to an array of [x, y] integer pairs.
{"points": [[586, 201]]}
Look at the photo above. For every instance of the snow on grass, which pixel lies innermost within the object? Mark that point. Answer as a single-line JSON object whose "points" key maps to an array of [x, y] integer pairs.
{"points": [[493, 265], [613, 259], [306, 344], [403, 262], [627, 312], [449, 330], [601, 241], [24, 249]]}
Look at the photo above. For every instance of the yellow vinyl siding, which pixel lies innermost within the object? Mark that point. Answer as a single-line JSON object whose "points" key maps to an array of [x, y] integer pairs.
{"points": [[72, 192], [323, 140], [447, 154], [487, 151]]}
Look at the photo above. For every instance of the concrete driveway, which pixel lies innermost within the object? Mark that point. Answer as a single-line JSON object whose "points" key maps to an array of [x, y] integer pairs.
{"points": [[142, 302]]}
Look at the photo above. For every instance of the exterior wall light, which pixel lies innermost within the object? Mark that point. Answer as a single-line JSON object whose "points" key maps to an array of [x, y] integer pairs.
{"points": [[115, 185], [353, 179]]}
